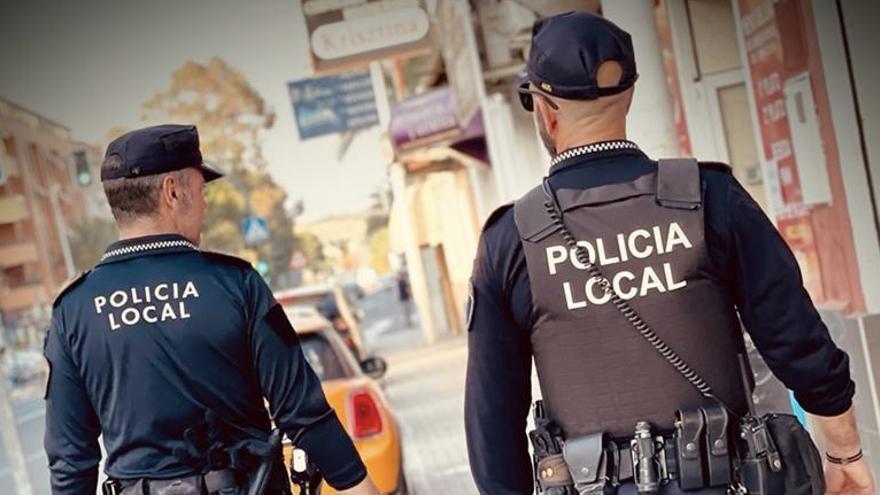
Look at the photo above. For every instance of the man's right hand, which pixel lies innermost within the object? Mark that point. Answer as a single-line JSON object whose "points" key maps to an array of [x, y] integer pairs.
{"points": [[841, 437], [365, 487], [850, 479]]}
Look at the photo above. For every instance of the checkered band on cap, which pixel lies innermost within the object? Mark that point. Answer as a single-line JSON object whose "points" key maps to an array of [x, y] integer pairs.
{"points": [[594, 148], [139, 248]]}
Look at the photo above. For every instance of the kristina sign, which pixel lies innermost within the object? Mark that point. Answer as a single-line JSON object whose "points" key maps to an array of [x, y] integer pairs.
{"points": [[363, 31]]}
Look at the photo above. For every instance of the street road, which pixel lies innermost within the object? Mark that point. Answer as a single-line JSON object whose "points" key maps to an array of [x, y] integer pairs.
{"points": [[30, 415], [425, 385]]}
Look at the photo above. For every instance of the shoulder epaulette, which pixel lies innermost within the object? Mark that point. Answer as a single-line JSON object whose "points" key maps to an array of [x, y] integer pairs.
{"points": [[69, 284], [495, 215], [719, 166], [227, 259]]}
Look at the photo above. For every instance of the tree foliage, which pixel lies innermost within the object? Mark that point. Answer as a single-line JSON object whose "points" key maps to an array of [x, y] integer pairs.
{"points": [[231, 117], [380, 246], [88, 240]]}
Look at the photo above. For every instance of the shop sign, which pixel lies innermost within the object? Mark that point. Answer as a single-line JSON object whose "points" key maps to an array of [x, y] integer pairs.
{"points": [[351, 34], [452, 23], [333, 104], [429, 116]]}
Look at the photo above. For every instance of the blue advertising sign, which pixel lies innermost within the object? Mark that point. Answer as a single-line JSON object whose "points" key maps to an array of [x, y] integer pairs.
{"points": [[333, 104]]}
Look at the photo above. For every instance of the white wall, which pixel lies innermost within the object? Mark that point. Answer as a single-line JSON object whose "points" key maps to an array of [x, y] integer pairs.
{"points": [[650, 124]]}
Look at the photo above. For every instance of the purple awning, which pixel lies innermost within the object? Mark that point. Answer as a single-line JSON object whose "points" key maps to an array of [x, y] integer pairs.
{"points": [[430, 120]]}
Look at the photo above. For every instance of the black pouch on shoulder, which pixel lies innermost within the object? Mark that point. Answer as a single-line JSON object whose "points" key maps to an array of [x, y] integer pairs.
{"points": [[689, 431]]}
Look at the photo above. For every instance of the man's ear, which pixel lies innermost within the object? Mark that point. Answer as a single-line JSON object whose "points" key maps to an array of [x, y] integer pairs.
{"points": [[169, 190], [548, 115]]}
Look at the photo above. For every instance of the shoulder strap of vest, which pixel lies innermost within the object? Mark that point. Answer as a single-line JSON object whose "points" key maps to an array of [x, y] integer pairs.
{"points": [[532, 221], [495, 215], [718, 166], [678, 183], [68, 285], [227, 259]]}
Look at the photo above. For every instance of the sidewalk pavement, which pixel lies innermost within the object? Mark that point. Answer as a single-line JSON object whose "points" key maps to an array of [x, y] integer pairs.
{"points": [[425, 385]]}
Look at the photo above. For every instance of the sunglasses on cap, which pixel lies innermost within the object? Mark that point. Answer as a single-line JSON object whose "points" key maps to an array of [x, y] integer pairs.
{"points": [[527, 100]]}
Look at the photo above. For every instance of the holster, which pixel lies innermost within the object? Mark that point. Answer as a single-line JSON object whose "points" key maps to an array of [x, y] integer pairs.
{"points": [[587, 463]]}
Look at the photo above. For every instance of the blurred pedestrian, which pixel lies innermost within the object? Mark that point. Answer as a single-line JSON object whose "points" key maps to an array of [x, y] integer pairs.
{"points": [[404, 295], [168, 351], [626, 280]]}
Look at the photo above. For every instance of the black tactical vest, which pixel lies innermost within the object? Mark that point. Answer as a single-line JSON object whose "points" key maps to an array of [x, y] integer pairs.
{"points": [[648, 238]]}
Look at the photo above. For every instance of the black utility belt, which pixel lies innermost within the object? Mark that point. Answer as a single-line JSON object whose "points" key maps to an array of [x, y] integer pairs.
{"points": [[697, 454], [593, 464], [767, 455], [198, 484]]}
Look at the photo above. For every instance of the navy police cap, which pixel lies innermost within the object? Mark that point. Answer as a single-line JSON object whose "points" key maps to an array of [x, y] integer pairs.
{"points": [[566, 53], [157, 150]]}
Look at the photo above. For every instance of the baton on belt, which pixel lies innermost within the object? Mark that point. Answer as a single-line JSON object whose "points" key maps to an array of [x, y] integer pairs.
{"points": [[261, 476]]}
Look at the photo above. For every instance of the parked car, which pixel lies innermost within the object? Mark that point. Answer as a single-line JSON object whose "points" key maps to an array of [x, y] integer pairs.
{"points": [[331, 302], [351, 390]]}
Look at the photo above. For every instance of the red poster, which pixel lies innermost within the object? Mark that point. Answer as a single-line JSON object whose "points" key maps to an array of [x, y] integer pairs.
{"points": [[764, 50], [672, 84]]}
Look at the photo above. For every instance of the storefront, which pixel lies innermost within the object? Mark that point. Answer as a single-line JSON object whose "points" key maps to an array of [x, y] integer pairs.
{"points": [[775, 88], [439, 177]]}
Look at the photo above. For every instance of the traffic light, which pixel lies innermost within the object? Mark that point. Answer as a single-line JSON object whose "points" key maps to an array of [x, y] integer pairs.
{"points": [[83, 171], [263, 268]]}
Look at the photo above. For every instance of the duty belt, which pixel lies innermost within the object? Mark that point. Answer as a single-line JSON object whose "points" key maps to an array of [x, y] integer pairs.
{"points": [[198, 484], [593, 462]]}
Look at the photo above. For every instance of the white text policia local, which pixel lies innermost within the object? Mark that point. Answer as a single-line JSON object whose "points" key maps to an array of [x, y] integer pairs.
{"points": [[163, 302], [638, 244]]}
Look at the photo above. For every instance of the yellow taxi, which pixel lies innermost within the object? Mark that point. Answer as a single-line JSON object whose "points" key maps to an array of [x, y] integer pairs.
{"points": [[353, 393]]}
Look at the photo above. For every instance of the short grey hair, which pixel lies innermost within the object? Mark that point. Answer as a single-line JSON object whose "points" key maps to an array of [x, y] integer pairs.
{"points": [[132, 198]]}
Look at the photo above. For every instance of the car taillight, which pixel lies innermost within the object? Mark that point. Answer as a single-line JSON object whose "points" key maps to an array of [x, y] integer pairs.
{"points": [[365, 418]]}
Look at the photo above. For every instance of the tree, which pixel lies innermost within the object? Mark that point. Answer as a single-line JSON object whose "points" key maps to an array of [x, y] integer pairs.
{"points": [[231, 117], [380, 246], [88, 240], [311, 247]]}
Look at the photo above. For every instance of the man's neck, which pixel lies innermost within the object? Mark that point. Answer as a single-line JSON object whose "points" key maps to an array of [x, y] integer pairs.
{"points": [[143, 229], [583, 138]]}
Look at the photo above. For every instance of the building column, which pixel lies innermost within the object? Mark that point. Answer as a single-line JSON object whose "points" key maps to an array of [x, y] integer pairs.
{"points": [[412, 253], [651, 121]]}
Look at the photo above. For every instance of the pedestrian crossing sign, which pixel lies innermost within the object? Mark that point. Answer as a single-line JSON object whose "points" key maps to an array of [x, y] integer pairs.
{"points": [[255, 230]]}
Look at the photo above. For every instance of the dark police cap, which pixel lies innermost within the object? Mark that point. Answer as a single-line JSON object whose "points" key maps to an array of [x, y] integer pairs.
{"points": [[566, 53], [157, 150]]}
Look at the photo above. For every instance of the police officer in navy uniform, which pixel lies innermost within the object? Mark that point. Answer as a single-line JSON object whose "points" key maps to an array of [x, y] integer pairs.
{"points": [[168, 352], [682, 243]]}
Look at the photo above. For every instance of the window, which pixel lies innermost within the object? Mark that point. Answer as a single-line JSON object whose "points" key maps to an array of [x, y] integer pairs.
{"points": [[322, 356]]}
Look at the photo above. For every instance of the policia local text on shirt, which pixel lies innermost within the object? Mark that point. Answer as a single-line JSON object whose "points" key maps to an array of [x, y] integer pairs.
{"points": [[168, 351], [682, 244]]}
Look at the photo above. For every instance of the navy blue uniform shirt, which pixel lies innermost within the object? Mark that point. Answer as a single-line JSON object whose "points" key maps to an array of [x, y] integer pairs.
{"points": [[746, 250], [160, 336]]}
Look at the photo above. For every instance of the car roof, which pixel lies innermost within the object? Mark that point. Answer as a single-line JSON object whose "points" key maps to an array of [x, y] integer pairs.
{"points": [[308, 324], [304, 291]]}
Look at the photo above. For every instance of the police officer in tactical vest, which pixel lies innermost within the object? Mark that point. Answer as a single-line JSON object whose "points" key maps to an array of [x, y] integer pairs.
{"points": [[628, 281], [168, 352]]}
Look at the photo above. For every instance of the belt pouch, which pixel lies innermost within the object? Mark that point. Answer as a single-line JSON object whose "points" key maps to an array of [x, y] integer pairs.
{"points": [[190, 485], [717, 445], [552, 472], [689, 429], [587, 463]]}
